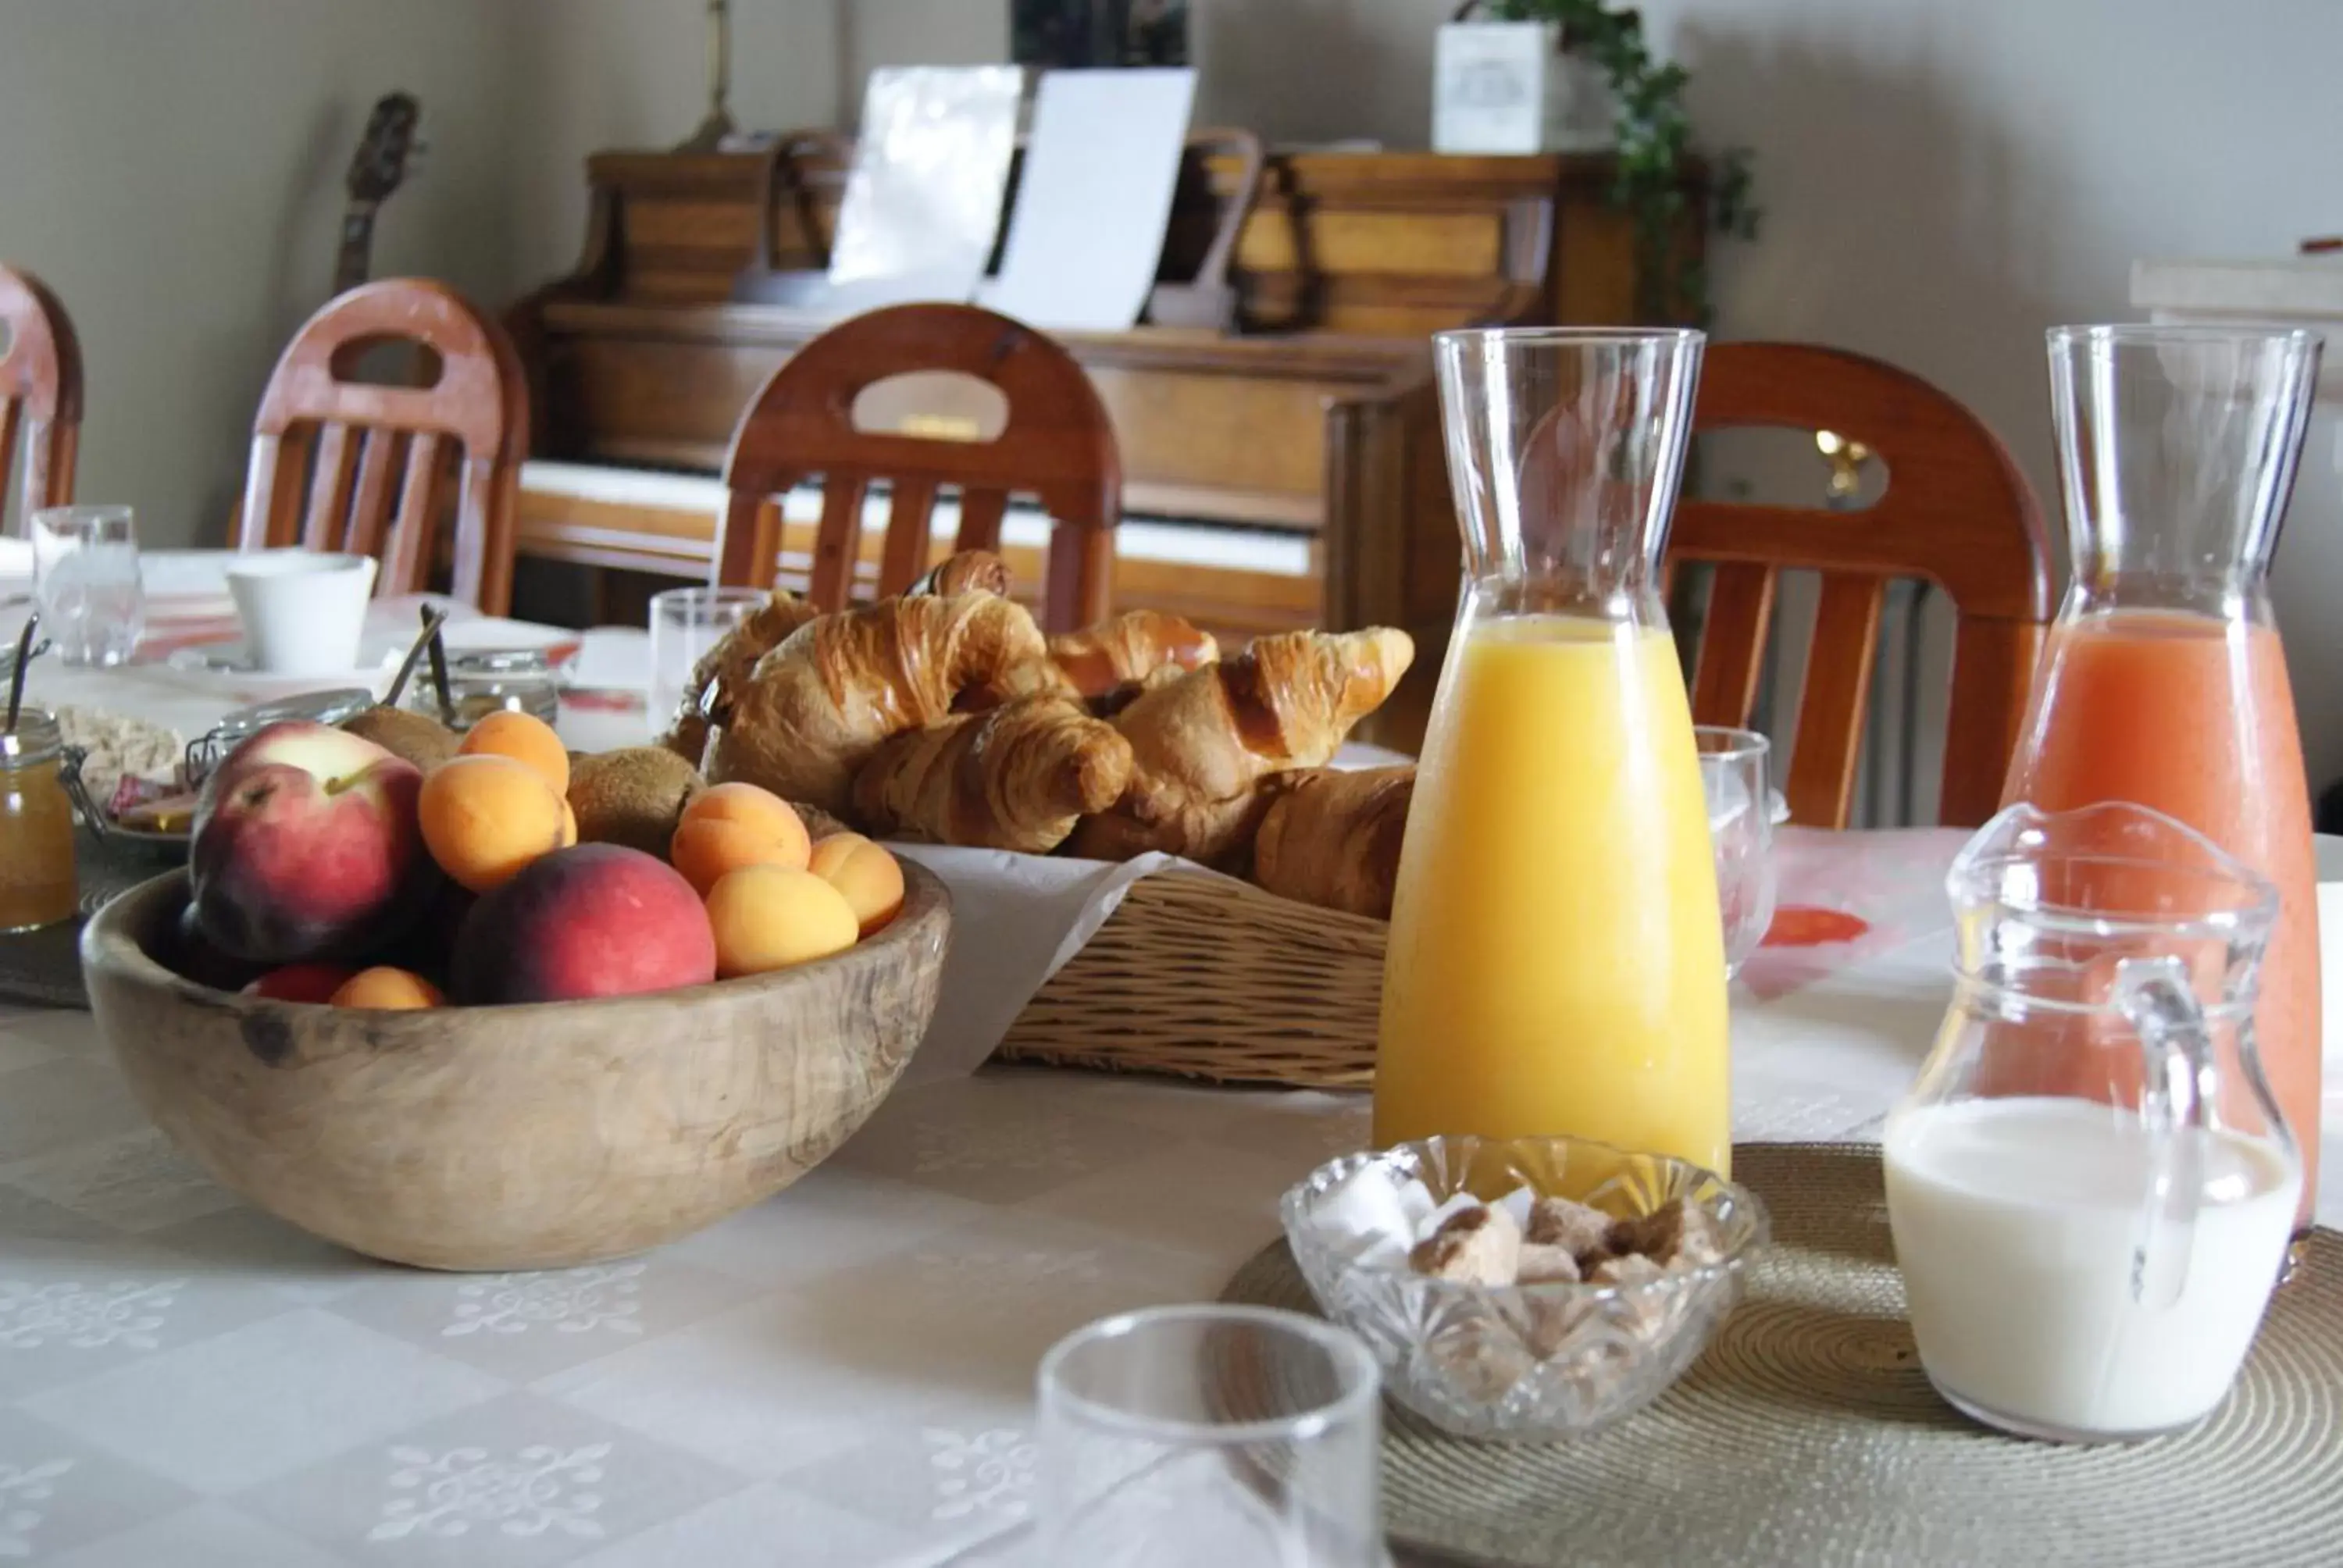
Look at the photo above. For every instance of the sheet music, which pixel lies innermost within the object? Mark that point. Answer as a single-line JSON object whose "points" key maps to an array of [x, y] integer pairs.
{"points": [[1095, 198], [923, 199]]}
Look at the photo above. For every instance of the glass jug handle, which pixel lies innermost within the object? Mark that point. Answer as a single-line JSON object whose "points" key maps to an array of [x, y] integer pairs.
{"points": [[2179, 1091]]}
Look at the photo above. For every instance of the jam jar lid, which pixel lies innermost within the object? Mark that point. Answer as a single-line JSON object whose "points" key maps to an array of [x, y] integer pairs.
{"points": [[34, 740]]}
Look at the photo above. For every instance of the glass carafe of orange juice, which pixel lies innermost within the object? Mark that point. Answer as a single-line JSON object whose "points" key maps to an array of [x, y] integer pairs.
{"points": [[2164, 682], [1556, 964]]}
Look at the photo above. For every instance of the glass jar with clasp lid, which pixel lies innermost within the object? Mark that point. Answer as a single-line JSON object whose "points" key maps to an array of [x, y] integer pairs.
{"points": [[489, 680], [206, 751], [38, 885]]}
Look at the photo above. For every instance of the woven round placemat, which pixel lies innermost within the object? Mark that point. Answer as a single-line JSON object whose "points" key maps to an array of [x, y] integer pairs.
{"points": [[1809, 1435]]}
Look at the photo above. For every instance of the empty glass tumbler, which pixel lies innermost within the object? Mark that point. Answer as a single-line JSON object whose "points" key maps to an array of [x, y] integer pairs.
{"points": [[1209, 1437], [85, 580]]}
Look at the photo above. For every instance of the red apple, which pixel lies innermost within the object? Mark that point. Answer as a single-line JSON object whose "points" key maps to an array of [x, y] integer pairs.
{"points": [[301, 982], [305, 846]]}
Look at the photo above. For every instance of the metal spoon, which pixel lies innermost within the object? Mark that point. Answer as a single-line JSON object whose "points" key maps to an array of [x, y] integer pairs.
{"points": [[439, 648], [433, 619], [25, 651]]}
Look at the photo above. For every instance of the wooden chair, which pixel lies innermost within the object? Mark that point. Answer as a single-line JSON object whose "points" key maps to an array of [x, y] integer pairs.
{"points": [[40, 391], [1957, 513], [1056, 446], [345, 464]]}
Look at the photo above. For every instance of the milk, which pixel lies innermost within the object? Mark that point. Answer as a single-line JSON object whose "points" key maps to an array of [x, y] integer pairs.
{"points": [[2015, 1222]]}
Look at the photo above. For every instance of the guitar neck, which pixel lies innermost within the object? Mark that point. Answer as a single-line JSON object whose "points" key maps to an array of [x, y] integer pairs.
{"points": [[357, 256]]}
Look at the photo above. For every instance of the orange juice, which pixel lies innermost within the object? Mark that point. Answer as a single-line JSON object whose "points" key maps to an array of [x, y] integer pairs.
{"points": [[1556, 962], [2192, 716]]}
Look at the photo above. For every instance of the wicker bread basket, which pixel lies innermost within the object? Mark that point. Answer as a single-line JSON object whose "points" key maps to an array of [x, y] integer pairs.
{"points": [[1208, 976]]}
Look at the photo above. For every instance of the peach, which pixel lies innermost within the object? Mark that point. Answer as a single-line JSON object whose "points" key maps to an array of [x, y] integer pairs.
{"points": [[387, 989], [598, 919], [568, 824], [301, 982], [732, 825], [486, 815], [524, 738], [771, 916], [867, 874], [305, 846]]}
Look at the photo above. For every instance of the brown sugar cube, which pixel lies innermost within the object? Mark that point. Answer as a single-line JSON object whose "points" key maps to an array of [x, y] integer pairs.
{"points": [[1580, 1228], [1544, 1263], [1476, 1246], [1676, 1234], [1646, 1314]]}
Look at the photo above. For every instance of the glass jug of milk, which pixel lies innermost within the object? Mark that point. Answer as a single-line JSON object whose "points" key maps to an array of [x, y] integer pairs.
{"points": [[2091, 1187]]}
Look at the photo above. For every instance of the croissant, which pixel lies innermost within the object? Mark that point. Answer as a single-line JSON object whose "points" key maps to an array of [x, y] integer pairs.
{"points": [[1332, 838], [969, 571], [816, 706], [719, 675], [1203, 742], [1016, 777]]}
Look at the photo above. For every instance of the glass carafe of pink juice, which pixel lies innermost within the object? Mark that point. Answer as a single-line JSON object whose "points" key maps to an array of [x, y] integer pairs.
{"points": [[2163, 681], [1556, 963]]}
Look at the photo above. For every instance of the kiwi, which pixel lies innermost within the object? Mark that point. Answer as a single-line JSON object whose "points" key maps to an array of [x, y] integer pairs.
{"points": [[631, 796], [418, 736]]}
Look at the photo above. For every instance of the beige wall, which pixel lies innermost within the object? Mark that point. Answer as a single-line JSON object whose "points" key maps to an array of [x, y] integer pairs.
{"points": [[175, 172], [600, 74]]}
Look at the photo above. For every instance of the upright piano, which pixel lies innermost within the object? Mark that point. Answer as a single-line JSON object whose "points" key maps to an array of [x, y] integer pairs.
{"points": [[1286, 473]]}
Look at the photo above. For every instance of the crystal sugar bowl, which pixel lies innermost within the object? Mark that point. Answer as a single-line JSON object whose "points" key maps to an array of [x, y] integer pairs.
{"points": [[1521, 1361]]}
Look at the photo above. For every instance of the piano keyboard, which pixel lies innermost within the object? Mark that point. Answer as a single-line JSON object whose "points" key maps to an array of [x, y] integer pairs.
{"points": [[1231, 579]]}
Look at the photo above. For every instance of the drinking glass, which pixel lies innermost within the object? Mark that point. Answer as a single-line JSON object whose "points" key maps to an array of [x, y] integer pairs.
{"points": [[1211, 1436], [684, 624], [1734, 776], [85, 580]]}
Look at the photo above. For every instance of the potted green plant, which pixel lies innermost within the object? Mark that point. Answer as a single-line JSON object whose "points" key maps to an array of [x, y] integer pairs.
{"points": [[1655, 144]]}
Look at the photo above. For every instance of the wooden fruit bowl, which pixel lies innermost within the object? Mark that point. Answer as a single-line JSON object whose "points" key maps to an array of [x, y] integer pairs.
{"points": [[528, 1137]]}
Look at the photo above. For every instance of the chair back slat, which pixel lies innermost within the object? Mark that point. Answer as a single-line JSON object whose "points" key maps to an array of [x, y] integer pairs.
{"points": [[380, 458], [1957, 513], [346, 464], [1733, 644], [910, 513], [330, 485], [405, 558], [1054, 445], [981, 513], [1820, 780], [838, 545], [40, 394]]}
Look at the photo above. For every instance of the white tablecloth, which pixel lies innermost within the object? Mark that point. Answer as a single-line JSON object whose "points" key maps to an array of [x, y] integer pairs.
{"points": [[841, 1375]]}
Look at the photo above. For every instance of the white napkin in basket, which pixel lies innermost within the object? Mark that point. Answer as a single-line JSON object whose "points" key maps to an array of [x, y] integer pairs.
{"points": [[1017, 919]]}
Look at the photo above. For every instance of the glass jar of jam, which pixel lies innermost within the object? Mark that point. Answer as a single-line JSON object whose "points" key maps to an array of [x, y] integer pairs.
{"points": [[37, 885]]}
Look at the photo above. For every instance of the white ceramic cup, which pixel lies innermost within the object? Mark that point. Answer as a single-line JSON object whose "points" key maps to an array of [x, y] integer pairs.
{"points": [[302, 612]]}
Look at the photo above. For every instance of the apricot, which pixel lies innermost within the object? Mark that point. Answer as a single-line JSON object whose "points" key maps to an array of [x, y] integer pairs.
{"points": [[732, 825], [485, 817], [524, 738], [569, 825], [387, 988], [771, 917], [867, 874]]}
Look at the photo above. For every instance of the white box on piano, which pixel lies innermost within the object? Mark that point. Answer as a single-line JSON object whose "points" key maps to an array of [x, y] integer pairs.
{"points": [[1507, 88]]}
